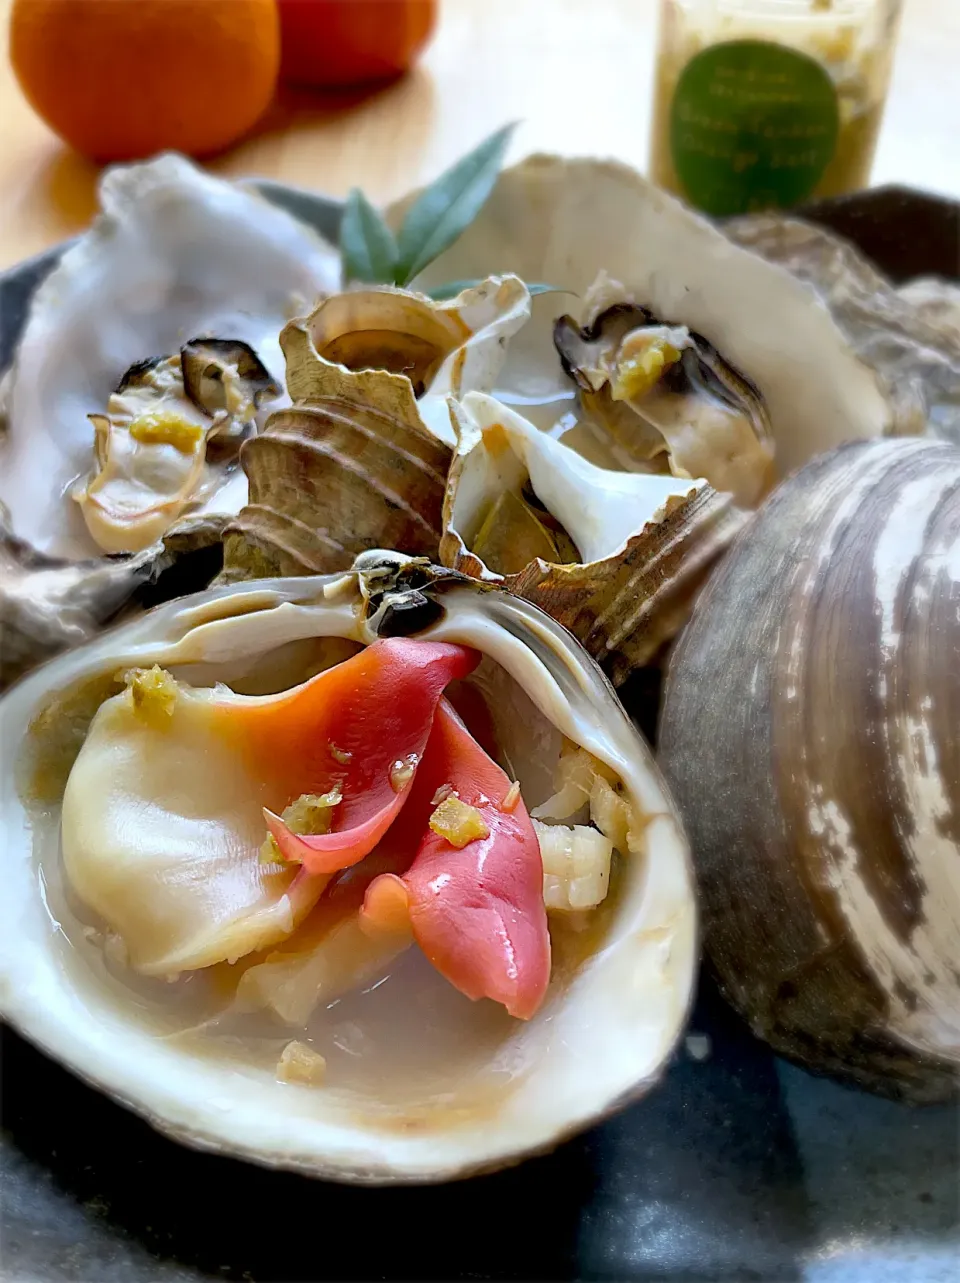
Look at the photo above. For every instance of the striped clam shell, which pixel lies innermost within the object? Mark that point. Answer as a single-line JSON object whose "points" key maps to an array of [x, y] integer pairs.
{"points": [[809, 732]]}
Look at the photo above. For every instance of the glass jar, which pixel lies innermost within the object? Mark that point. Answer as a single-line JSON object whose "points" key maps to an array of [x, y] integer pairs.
{"points": [[764, 104]]}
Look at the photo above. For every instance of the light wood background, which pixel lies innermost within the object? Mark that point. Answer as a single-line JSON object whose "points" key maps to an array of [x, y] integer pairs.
{"points": [[576, 73]]}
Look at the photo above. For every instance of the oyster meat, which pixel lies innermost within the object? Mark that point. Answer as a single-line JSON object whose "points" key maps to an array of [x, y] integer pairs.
{"points": [[175, 252], [306, 885], [664, 399], [172, 429]]}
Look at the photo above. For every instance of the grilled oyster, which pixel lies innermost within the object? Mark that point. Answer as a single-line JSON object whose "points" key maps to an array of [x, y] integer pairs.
{"points": [[170, 436], [604, 215], [664, 398], [175, 252], [466, 1086]]}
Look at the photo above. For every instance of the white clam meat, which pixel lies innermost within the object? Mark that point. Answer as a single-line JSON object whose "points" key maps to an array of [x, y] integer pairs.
{"points": [[359, 1060]]}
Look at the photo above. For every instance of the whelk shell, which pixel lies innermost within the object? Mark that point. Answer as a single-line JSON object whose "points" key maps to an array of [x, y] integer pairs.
{"points": [[809, 731], [637, 546], [359, 460], [440, 349], [347, 468]]}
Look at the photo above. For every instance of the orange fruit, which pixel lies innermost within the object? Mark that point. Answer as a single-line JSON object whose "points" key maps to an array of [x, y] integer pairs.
{"points": [[122, 79], [330, 43]]}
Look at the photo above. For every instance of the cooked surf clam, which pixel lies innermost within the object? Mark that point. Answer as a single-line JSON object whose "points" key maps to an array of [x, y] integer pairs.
{"points": [[809, 731], [169, 438], [259, 816], [616, 557]]}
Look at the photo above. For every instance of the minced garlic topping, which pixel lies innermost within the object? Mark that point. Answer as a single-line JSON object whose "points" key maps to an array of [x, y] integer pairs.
{"points": [[458, 822], [311, 813], [299, 1063], [153, 692], [167, 427], [643, 357]]}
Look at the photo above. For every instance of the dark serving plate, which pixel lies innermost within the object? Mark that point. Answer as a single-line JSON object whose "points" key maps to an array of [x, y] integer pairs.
{"points": [[739, 1167]]}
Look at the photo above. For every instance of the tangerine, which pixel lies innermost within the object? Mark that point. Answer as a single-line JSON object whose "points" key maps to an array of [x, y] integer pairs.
{"points": [[122, 79], [334, 43]]}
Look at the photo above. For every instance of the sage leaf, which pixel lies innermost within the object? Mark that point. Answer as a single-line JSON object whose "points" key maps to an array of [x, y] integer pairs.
{"points": [[440, 293], [449, 205], [367, 245]]}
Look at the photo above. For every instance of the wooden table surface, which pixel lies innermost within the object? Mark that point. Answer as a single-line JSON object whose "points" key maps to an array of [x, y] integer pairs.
{"points": [[576, 73]]}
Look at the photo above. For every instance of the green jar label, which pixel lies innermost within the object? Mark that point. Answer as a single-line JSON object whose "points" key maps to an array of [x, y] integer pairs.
{"points": [[753, 125]]}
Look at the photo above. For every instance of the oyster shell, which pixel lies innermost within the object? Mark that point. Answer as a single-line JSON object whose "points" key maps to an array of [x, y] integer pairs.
{"points": [[51, 604], [605, 215], [814, 694], [175, 252], [470, 1089], [171, 430], [616, 557], [910, 335]]}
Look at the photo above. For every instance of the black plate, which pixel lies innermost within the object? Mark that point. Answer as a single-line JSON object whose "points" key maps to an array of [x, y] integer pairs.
{"points": [[740, 1167]]}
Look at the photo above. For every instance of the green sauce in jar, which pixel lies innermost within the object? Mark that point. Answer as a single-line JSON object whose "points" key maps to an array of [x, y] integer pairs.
{"points": [[768, 103]]}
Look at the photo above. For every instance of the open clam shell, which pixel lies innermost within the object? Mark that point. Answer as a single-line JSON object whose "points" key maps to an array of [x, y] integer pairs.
{"points": [[809, 732], [638, 547], [470, 1090], [604, 215]]}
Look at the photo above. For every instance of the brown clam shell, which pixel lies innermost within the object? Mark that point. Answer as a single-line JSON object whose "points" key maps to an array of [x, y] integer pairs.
{"points": [[809, 734]]}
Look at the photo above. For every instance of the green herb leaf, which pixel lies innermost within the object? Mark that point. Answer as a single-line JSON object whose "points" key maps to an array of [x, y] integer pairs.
{"points": [[449, 205], [367, 244], [440, 293]]}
